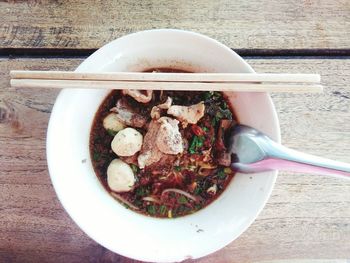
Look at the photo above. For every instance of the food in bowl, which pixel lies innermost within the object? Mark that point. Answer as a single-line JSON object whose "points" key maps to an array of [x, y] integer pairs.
{"points": [[162, 153]]}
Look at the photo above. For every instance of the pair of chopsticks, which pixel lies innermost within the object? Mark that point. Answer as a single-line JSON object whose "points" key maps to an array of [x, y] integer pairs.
{"points": [[238, 82]]}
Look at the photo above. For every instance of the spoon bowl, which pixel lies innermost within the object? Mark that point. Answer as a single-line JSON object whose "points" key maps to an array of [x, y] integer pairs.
{"points": [[256, 152]]}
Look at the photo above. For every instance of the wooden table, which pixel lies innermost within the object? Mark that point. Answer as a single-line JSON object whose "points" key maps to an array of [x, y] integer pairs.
{"points": [[307, 216]]}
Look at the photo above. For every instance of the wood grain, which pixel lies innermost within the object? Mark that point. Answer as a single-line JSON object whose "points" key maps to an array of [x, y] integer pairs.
{"points": [[267, 24], [307, 216]]}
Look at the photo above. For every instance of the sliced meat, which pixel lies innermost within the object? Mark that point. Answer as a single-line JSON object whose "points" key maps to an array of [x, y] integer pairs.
{"points": [[157, 110], [162, 138], [127, 115], [223, 157], [163, 166], [150, 152], [166, 105], [169, 139], [140, 96], [187, 114]]}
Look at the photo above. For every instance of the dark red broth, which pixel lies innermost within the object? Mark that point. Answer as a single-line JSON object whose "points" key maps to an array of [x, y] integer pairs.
{"points": [[202, 170]]}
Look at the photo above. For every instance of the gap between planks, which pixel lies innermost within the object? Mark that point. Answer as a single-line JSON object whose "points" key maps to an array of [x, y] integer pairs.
{"points": [[264, 53]]}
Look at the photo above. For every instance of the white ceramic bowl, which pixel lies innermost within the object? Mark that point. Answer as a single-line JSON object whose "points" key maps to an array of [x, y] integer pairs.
{"points": [[104, 219]]}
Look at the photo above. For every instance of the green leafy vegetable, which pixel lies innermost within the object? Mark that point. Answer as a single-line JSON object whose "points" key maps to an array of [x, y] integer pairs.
{"points": [[142, 191], [223, 114], [205, 129], [211, 96], [137, 202], [207, 95], [177, 168], [126, 206], [217, 95], [198, 190], [227, 114], [197, 142], [97, 139], [213, 122], [219, 115], [197, 206], [182, 200], [96, 156], [224, 105], [200, 142], [219, 111], [111, 132], [221, 174], [134, 168], [151, 209], [162, 209]]}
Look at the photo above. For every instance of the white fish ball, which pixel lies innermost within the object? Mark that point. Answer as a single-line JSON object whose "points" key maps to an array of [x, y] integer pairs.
{"points": [[127, 142], [120, 177], [111, 122]]}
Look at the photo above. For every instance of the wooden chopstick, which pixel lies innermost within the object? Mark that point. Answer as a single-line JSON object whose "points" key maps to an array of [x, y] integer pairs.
{"points": [[167, 77], [90, 84], [245, 82]]}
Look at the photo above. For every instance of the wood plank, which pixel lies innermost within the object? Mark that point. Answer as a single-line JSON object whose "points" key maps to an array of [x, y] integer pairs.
{"points": [[267, 24], [307, 216]]}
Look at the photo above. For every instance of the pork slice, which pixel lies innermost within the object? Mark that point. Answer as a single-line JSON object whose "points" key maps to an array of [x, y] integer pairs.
{"points": [[187, 114], [150, 153], [140, 96], [163, 166], [157, 110], [223, 157], [127, 115], [169, 139], [167, 104], [163, 139]]}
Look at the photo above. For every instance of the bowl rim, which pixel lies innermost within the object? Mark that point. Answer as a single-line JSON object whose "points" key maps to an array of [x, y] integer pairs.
{"points": [[96, 54]]}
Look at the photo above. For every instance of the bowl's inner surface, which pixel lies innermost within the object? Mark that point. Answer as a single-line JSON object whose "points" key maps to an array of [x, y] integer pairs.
{"points": [[96, 212]]}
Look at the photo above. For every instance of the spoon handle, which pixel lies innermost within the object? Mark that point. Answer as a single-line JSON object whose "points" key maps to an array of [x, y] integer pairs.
{"points": [[282, 158]]}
